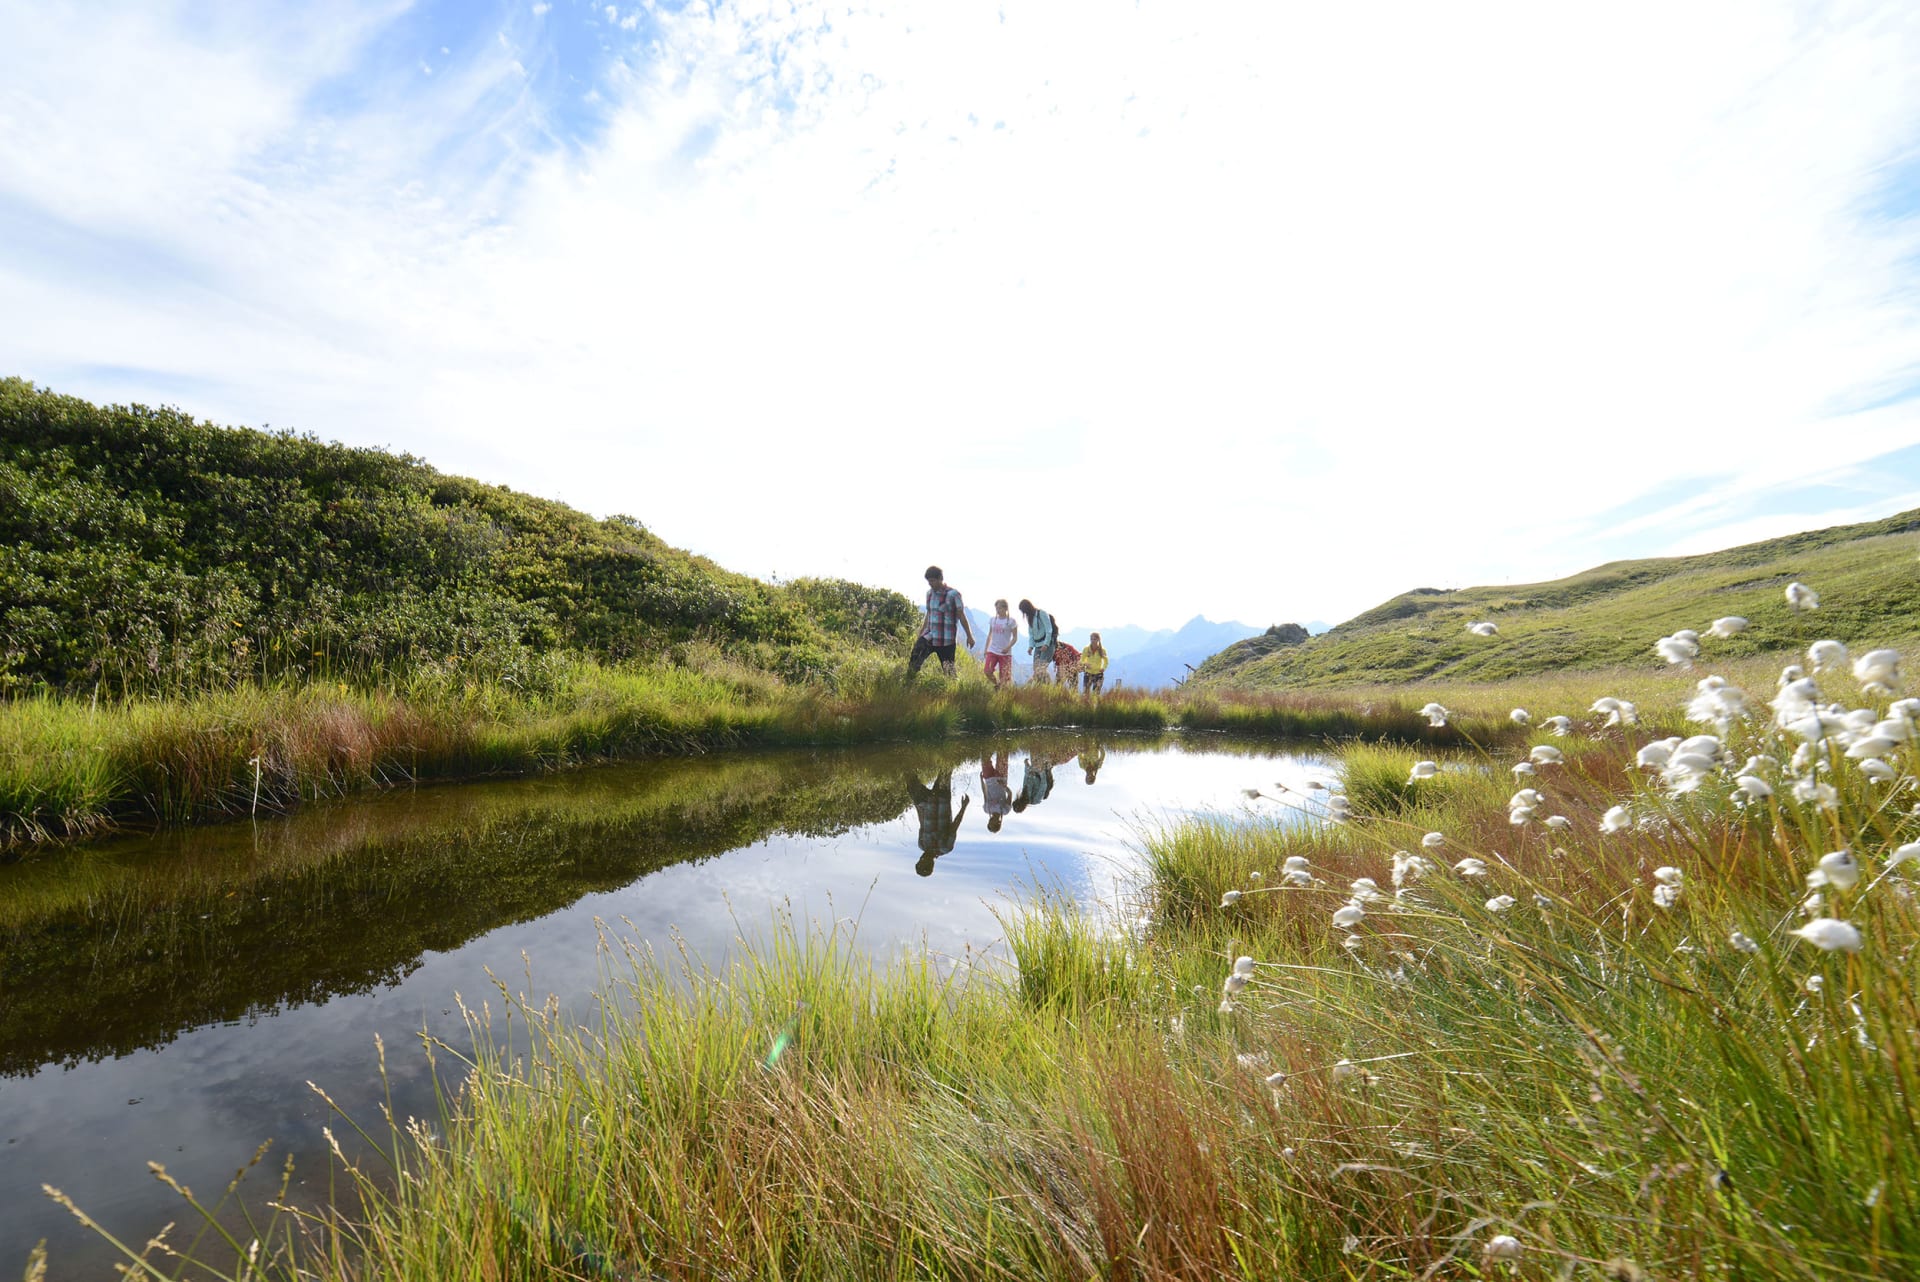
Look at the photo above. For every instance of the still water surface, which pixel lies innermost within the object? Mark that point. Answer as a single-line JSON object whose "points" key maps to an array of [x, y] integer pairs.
{"points": [[168, 998]]}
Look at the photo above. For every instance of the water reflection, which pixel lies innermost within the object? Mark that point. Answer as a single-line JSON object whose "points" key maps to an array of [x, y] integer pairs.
{"points": [[169, 997]]}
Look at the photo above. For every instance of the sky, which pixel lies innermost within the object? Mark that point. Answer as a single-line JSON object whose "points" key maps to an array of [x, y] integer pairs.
{"points": [[1264, 311]]}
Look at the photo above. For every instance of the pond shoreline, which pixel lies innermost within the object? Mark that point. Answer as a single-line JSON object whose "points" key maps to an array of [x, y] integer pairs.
{"points": [[74, 772]]}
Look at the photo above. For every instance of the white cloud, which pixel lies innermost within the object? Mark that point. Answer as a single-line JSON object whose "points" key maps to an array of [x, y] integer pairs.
{"points": [[1268, 312]]}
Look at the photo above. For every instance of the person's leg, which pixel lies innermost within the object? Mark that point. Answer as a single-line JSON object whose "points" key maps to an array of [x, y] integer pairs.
{"points": [[1099, 682], [946, 657]]}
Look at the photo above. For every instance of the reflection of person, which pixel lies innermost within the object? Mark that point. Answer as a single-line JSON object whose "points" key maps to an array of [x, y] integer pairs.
{"points": [[945, 613], [1093, 667], [995, 795], [1001, 631], [1036, 782], [939, 827], [1041, 638], [1091, 759]]}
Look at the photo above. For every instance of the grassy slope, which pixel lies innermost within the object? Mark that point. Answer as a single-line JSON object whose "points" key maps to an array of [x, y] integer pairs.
{"points": [[143, 553], [1609, 616]]}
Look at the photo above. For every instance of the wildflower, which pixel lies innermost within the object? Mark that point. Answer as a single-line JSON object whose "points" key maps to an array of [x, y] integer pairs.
{"points": [[1352, 943], [1235, 982], [1877, 770], [1435, 714], [1619, 712], [1347, 1070], [1838, 869], [1819, 794], [1871, 746], [1742, 942], [1909, 851], [1732, 625], [1898, 729], [1433, 839], [1503, 1246], [1878, 668], [1665, 896], [1520, 816], [1339, 804], [1616, 820], [1753, 788], [1802, 597], [1798, 699], [1520, 716], [1471, 867], [1349, 916], [1276, 1080], [1654, 756], [1295, 871], [1500, 903], [1815, 984], [1788, 675], [1366, 890], [1482, 629], [1423, 770], [1525, 768], [1830, 934], [1541, 902], [1243, 965], [1559, 822], [1717, 704], [1525, 797], [1668, 875], [1826, 654], [1545, 754], [1229, 899], [1676, 650], [1408, 867], [1254, 877], [1226, 1006], [1557, 725]]}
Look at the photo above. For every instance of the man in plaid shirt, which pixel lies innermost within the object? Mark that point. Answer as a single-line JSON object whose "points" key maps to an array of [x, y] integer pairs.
{"points": [[945, 614]]}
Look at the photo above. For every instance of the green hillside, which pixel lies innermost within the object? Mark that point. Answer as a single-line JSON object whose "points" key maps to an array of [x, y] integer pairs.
{"points": [[1867, 576], [142, 552]]}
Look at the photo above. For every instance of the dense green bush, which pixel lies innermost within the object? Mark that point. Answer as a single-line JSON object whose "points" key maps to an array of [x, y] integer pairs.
{"points": [[144, 552]]}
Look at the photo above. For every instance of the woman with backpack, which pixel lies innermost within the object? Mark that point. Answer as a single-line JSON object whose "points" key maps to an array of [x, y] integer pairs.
{"points": [[1042, 637]]}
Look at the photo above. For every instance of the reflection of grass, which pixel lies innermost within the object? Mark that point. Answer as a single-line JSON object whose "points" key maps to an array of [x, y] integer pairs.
{"points": [[69, 768], [1611, 1081]]}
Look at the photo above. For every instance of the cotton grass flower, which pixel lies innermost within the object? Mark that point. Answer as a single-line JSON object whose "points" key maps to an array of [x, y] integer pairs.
{"points": [[1545, 754], [1616, 820], [1668, 875], [1878, 668], [1877, 771], [1829, 934], [1235, 982], [1525, 768], [1433, 839], [1229, 899], [1520, 716], [1471, 867], [1717, 704], [1500, 903], [1677, 650], [1503, 1246], [1423, 770], [1559, 823], [1901, 855], [1813, 793], [1436, 714], [1243, 965], [1655, 755], [1484, 628], [1557, 725], [1619, 712], [1666, 896], [1838, 868], [1349, 916], [1824, 655], [1753, 788], [1731, 625], [1801, 597], [1742, 942]]}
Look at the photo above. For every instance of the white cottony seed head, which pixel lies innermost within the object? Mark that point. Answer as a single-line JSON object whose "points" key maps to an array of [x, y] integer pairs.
{"points": [[1229, 899], [1433, 839], [1731, 625], [1243, 965], [1616, 820], [1500, 903], [1743, 942], [1503, 1246], [1838, 869], [1831, 935], [1423, 770], [1802, 597], [1520, 716], [1348, 916]]}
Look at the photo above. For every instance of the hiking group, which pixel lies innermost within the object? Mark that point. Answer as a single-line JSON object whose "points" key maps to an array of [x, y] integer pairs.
{"points": [[1053, 659]]}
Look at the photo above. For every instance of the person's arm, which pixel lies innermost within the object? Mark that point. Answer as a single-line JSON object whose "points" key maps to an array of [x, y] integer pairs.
{"points": [[960, 607]]}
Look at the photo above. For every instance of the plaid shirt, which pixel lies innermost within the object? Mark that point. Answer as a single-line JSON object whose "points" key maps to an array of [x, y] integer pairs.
{"points": [[943, 615]]}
